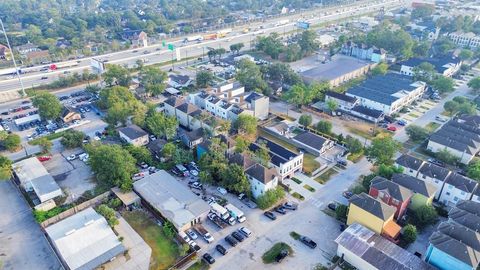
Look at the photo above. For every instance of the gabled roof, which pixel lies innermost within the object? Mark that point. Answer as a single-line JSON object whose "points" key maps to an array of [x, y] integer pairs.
{"points": [[395, 190], [261, 173], [465, 218], [455, 248], [242, 160], [438, 63], [175, 101], [373, 206], [156, 146], [460, 233], [469, 206], [434, 171], [463, 136], [278, 154], [188, 108], [410, 162], [180, 79], [415, 185], [313, 140], [461, 182], [133, 132]]}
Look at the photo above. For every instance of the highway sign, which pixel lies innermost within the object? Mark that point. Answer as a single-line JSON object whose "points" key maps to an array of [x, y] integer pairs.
{"points": [[171, 47]]}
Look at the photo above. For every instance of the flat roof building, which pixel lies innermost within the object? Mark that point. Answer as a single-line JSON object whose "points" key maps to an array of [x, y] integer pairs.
{"points": [[84, 240], [171, 199]]}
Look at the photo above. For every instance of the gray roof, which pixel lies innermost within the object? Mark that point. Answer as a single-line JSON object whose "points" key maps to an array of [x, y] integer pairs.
{"points": [[410, 162], [242, 160], [373, 206], [85, 240], [458, 135], [378, 251], [395, 190], [313, 140], [171, 198], [415, 185], [175, 101], [465, 218], [31, 171], [133, 132], [339, 66], [461, 182], [438, 63], [455, 248], [461, 233], [341, 96], [434, 171], [261, 173], [188, 108], [469, 206], [383, 89], [156, 146]]}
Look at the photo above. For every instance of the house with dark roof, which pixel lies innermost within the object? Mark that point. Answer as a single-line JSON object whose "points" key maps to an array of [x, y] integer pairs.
{"points": [[424, 192], [465, 217], [457, 187], [134, 135], [434, 175], [446, 65], [364, 52], [179, 81], [155, 147], [203, 147], [476, 195], [364, 249], [410, 164], [391, 193], [314, 143], [459, 136], [388, 93], [373, 214], [344, 102], [285, 161], [191, 138], [261, 179], [186, 113], [367, 113]]}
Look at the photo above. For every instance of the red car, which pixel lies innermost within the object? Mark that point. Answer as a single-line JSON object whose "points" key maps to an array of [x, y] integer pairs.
{"points": [[44, 158], [392, 128]]}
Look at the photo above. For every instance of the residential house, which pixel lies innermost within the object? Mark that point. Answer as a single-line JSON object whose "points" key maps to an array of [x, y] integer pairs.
{"points": [[70, 115], [362, 51], [459, 136], [32, 176], [179, 81], [424, 192], [344, 102], [434, 175], [281, 128], [365, 250], [373, 214], [4, 52], [457, 187], [446, 66], [476, 195], [258, 104], [410, 165], [426, 30], [134, 135], [261, 179], [203, 147], [388, 93], [285, 161], [184, 112], [241, 159], [138, 38], [155, 147], [314, 143], [84, 240], [26, 48], [468, 40], [172, 200], [191, 138], [391, 193], [466, 215], [338, 70]]}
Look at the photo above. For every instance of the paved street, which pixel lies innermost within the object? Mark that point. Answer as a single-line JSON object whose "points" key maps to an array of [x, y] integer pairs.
{"points": [[22, 244]]}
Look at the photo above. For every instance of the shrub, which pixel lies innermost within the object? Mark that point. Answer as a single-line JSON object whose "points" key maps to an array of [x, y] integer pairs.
{"points": [[341, 212], [108, 213], [72, 138], [409, 234], [270, 197]]}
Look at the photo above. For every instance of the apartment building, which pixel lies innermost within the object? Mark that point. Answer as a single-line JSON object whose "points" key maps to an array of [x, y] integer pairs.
{"points": [[465, 39]]}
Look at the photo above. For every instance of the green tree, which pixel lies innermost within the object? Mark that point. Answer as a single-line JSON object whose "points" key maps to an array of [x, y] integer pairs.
{"points": [[112, 165], [308, 42], [169, 150], [270, 45], [353, 145], [45, 143], [409, 234], [282, 73], [262, 155], [421, 49], [443, 84], [424, 72], [446, 156], [474, 84], [246, 124], [234, 178], [473, 169], [241, 144], [451, 107], [380, 69], [305, 120], [153, 79], [293, 52], [204, 78], [332, 105], [5, 168], [382, 150], [120, 103], [387, 171], [341, 212], [422, 12], [72, 138], [465, 54], [270, 197], [250, 76], [12, 142], [117, 75], [169, 230], [49, 107], [161, 125], [424, 216], [108, 213], [324, 127], [140, 153], [416, 133], [235, 48]]}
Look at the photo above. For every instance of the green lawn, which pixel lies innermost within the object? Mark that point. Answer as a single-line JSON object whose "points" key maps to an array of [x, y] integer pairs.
{"points": [[309, 188], [355, 157], [271, 254], [298, 196], [432, 126], [413, 115], [164, 251], [324, 177]]}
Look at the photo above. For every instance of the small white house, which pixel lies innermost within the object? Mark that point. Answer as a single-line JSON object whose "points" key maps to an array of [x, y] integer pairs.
{"points": [[134, 135], [261, 179]]}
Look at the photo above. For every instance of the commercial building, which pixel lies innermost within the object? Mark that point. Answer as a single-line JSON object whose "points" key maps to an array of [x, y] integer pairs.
{"points": [[446, 66], [134, 135], [423, 192], [171, 199], [338, 70], [460, 137], [469, 39], [387, 93], [391, 193], [365, 250], [373, 214], [32, 176], [84, 240], [315, 143], [350, 105]]}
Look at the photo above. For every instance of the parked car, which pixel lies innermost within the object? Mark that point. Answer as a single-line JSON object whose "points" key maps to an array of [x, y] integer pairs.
{"points": [[229, 239], [281, 255], [391, 128], [270, 215], [280, 209], [221, 249], [185, 237], [290, 205], [222, 191], [402, 122], [238, 236], [309, 242], [195, 246], [332, 206], [208, 258], [196, 185], [192, 234], [347, 194], [71, 157], [245, 231]]}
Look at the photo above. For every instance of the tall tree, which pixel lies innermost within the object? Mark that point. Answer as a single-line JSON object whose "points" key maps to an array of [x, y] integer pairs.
{"points": [[49, 107], [246, 124], [250, 76], [153, 79], [162, 125], [308, 42], [5, 168], [382, 150], [474, 84], [117, 75], [204, 78]]}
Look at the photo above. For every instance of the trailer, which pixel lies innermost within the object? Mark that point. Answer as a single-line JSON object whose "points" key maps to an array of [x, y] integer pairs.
{"points": [[217, 220], [210, 36], [224, 32], [10, 71], [282, 22], [236, 213], [193, 38]]}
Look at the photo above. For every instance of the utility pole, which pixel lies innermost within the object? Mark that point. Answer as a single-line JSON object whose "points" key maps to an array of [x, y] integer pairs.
{"points": [[13, 58]]}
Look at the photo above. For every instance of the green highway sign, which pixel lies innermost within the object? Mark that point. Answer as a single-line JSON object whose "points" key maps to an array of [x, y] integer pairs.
{"points": [[171, 47]]}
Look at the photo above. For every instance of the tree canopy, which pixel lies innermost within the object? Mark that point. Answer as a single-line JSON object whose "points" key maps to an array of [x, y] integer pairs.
{"points": [[161, 125], [382, 150], [120, 103], [49, 107], [250, 76], [117, 75], [246, 124], [153, 79]]}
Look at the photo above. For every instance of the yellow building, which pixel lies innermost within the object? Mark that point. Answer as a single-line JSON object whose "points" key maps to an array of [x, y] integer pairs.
{"points": [[373, 214]]}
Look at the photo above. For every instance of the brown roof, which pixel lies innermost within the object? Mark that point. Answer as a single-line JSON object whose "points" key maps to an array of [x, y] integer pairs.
{"points": [[261, 173], [373, 206], [243, 160], [395, 190]]}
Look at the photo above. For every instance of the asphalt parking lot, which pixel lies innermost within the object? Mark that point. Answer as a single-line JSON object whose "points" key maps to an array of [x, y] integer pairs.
{"points": [[23, 245]]}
